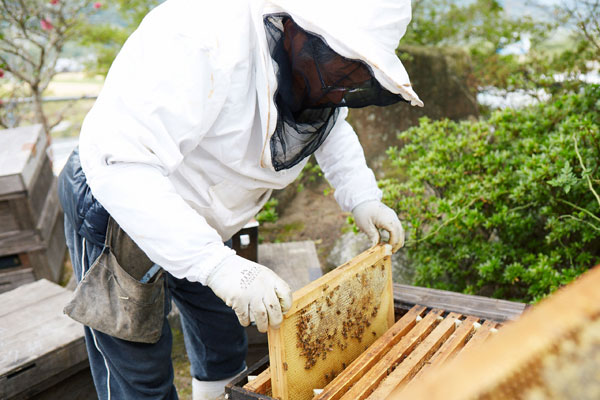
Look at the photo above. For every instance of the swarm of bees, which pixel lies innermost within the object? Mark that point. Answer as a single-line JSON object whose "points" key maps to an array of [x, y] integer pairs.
{"points": [[319, 329]]}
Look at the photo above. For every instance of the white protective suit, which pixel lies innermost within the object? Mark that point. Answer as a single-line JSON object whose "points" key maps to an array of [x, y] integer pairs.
{"points": [[176, 147]]}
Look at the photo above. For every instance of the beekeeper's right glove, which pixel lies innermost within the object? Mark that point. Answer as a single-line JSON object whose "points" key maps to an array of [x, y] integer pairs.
{"points": [[251, 289]]}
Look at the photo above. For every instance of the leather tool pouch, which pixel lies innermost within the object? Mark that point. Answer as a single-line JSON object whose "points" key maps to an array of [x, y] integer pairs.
{"points": [[110, 297]]}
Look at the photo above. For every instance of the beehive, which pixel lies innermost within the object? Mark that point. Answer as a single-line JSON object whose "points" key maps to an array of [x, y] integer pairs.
{"points": [[418, 342], [551, 353], [32, 241], [332, 321]]}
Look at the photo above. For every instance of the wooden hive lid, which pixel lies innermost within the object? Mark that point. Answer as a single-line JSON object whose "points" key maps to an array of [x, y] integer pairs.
{"points": [[21, 153], [37, 341]]}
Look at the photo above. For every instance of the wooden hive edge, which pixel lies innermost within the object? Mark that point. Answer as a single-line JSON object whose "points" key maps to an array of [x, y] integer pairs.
{"points": [[513, 347]]}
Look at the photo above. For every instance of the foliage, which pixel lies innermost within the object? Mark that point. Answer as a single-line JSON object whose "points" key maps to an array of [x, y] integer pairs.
{"points": [[584, 14], [473, 23], [507, 207], [107, 38], [32, 36], [484, 28], [310, 175], [584, 55], [268, 212]]}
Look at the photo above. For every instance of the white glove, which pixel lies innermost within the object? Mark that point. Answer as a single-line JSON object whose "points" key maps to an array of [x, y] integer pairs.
{"points": [[373, 215], [251, 289]]}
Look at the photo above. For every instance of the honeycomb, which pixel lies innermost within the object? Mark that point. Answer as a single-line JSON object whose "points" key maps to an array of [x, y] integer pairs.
{"points": [[326, 335]]}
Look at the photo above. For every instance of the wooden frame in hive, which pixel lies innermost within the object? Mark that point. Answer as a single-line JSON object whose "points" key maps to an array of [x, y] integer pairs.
{"points": [[551, 353]]}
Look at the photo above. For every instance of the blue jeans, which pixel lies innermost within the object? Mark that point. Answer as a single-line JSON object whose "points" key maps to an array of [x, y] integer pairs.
{"points": [[215, 342]]}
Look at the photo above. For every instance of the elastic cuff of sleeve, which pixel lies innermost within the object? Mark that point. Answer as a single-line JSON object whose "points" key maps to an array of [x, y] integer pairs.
{"points": [[205, 267], [363, 197], [363, 202]]}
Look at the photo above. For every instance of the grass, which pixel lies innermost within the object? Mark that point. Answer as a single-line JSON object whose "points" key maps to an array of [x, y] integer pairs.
{"points": [[275, 233], [181, 365]]}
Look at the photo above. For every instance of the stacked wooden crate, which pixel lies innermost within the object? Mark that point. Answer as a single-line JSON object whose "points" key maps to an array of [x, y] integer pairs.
{"points": [[42, 351], [32, 240]]}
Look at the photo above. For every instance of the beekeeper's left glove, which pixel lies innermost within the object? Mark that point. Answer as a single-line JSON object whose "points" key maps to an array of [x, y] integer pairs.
{"points": [[373, 215], [251, 289]]}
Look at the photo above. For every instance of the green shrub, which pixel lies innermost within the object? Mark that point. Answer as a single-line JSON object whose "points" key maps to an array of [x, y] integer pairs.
{"points": [[506, 207], [310, 175], [269, 212]]}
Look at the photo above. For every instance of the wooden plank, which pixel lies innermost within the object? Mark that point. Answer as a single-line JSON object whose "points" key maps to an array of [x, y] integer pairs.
{"points": [[37, 341], [31, 211], [75, 383], [39, 326], [390, 289], [234, 389], [48, 262], [51, 210], [8, 220], [512, 363], [40, 188], [411, 364], [15, 277], [331, 322], [483, 307], [365, 385], [21, 242], [359, 367], [261, 384], [45, 246], [21, 150], [32, 377], [296, 263], [451, 347], [27, 295], [20, 211], [278, 365], [481, 334]]}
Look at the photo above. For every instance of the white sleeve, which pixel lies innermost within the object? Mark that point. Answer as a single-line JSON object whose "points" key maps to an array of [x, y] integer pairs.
{"points": [[159, 99], [342, 160]]}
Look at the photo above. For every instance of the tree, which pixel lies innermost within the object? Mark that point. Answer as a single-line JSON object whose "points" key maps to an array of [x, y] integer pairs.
{"points": [[585, 14], [484, 28], [584, 55], [32, 36]]}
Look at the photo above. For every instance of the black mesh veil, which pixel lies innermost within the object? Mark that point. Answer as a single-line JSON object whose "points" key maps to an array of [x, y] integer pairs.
{"points": [[313, 82]]}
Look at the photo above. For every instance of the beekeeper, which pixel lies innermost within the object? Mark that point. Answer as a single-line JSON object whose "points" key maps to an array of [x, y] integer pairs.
{"points": [[209, 107]]}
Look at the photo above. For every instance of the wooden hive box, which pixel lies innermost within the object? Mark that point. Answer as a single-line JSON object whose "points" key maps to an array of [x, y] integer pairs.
{"points": [[432, 327], [551, 353], [39, 345], [32, 242]]}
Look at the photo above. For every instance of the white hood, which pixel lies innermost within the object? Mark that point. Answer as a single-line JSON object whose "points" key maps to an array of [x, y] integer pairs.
{"points": [[365, 30], [358, 29]]}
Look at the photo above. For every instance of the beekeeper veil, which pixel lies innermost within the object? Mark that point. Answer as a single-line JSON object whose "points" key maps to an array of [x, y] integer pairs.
{"points": [[329, 54]]}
